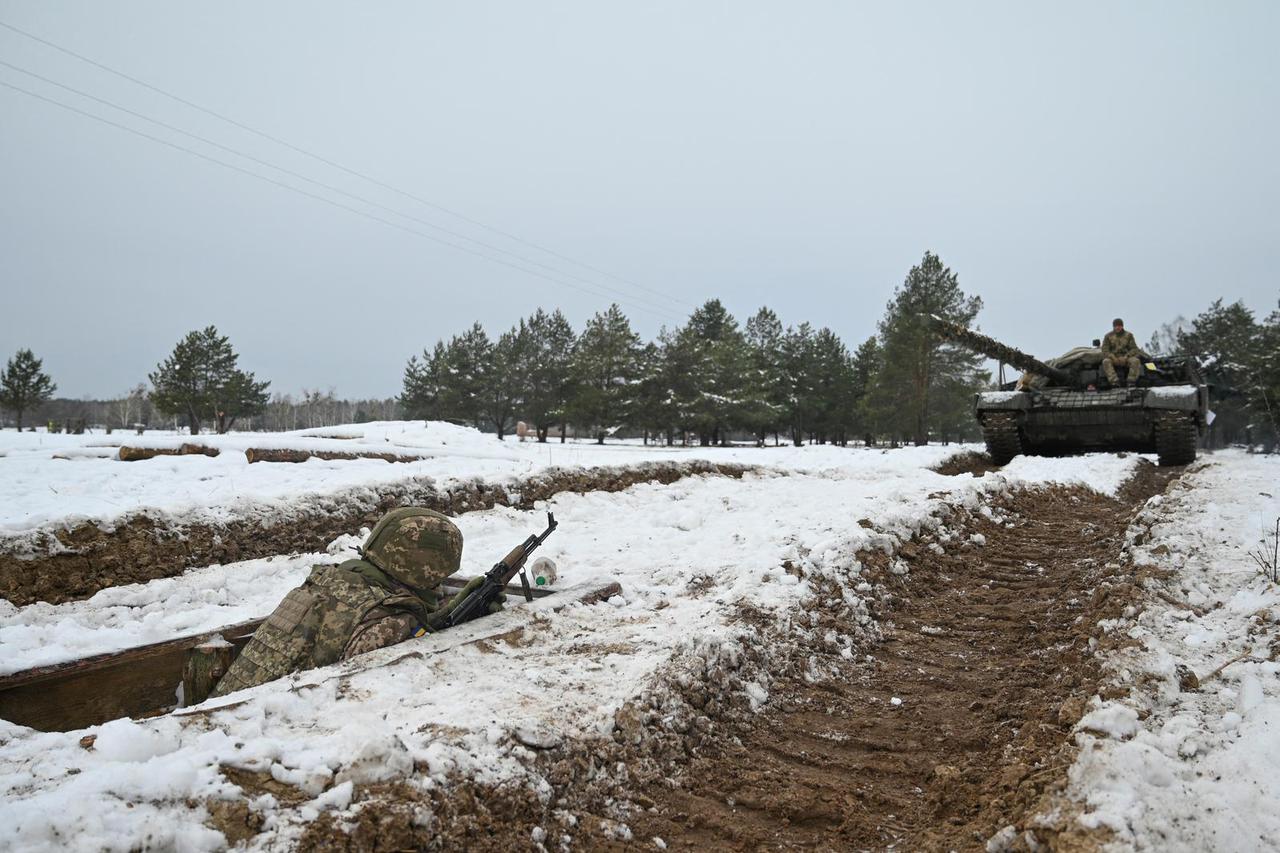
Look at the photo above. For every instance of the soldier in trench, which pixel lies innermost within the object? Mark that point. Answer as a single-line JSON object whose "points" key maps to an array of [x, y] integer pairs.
{"points": [[385, 597]]}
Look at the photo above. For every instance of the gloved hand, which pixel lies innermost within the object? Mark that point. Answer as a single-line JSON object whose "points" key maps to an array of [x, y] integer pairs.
{"points": [[471, 586]]}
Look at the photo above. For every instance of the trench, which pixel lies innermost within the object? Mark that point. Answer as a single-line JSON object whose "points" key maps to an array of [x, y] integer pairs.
{"points": [[58, 565], [992, 651]]}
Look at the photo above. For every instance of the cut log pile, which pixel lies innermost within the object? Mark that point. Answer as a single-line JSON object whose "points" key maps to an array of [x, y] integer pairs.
{"points": [[256, 454]]}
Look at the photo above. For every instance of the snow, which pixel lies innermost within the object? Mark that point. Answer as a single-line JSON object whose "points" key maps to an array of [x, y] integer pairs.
{"points": [[1172, 392], [1195, 769], [688, 555], [996, 397], [39, 490]]}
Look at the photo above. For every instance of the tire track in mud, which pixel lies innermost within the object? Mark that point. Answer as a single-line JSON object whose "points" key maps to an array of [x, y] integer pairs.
{"points": [[956, 724]]}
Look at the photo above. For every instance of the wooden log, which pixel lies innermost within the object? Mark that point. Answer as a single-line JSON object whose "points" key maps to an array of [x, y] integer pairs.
{"points": [[206, 663], [198, 450], [259, 454], [136, 454]]}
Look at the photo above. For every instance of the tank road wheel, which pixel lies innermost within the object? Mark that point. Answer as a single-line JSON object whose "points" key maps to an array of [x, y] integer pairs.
{"points": [[1176, 439], [1004, 441]]}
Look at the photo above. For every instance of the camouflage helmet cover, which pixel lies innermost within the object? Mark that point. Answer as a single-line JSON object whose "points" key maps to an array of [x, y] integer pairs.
{"points": [[416, 546]]}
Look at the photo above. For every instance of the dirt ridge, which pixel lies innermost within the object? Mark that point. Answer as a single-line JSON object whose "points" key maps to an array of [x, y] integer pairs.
{"points": [[61, 564]]}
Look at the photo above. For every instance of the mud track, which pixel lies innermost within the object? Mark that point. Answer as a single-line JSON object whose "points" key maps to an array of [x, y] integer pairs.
{"points": [[57, 565], [992, 649], [991, 652]]}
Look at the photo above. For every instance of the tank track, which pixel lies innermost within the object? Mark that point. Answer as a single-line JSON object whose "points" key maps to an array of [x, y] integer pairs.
{"points": [[1003, 438], [1176, 439]]}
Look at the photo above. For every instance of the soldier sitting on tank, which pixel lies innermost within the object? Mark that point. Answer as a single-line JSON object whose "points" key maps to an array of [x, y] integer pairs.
{"points": [[1119, 349], [341, 611]]}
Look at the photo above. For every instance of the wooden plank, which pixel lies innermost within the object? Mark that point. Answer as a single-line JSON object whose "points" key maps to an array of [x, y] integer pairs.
{"points": [[136, 682]]}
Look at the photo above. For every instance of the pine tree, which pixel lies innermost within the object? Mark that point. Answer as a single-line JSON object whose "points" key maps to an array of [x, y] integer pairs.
{"points": [[424, 382], [606, 365], [468, 363], [866, 364], [200, 380], [547, 371], [24, 384], [798, 387], [831, 372], [1225, 339], [1264, 392], [719, 355], [764, 402], [920, 376], [503, 389]]}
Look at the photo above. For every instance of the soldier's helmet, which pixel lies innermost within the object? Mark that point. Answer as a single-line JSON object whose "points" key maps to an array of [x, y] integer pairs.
{"points": [[416, 546]]}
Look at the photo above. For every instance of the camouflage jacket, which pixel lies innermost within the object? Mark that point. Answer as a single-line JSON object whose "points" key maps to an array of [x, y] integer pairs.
{"points": [[338, 611], [1121, 345]]}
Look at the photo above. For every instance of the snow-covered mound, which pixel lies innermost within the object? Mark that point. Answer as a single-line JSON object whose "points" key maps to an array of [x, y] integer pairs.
{"points": [[1175, 766]]}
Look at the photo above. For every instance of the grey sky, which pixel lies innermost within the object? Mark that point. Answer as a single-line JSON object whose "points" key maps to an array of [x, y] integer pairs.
{"points": [[1069, 161]]}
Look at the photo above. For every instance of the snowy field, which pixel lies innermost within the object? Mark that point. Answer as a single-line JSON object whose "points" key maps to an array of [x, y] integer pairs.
{"points": [[688, 555], [58, 479], [1186, 769]]}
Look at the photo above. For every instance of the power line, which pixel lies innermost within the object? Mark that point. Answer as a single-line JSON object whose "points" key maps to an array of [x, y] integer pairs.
{"points": [[334, 164], [610, 292], [291, 188]]}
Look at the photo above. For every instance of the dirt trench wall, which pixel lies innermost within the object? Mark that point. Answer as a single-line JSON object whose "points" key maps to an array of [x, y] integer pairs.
{"points": [[66, 564]]}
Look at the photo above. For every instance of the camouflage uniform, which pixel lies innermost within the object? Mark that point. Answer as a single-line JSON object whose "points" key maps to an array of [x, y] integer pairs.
{"points": [[358, 606], [1121, 348]]}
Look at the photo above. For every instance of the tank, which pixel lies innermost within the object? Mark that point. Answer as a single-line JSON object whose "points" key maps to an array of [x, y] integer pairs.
{"points": [[1065, 405]]}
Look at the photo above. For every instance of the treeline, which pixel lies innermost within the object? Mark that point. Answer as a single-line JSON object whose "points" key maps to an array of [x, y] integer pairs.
{"points": [[713, 379], [198, 384], [134, 410], [1241, 358]]}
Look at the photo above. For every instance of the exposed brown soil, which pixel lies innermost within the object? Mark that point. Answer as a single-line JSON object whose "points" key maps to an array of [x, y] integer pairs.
{"points": [[970, 462], [63, 565], [991, 649], [988, 649]]}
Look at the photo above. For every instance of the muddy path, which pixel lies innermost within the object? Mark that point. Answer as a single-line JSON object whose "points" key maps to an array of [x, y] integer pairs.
{"points": [[956, 724], [61, 564], [988, 641]]}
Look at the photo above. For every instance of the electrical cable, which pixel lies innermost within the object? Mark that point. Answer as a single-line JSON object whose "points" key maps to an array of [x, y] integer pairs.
{"points": [[336, 165], [303, 192], [604, 287]]}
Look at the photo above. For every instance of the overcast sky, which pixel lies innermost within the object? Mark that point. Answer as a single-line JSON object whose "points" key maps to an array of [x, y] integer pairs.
{"points": [[1070, 161]]}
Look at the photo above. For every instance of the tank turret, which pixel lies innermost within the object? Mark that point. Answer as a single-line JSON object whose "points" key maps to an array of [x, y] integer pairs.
{"points": [[1001, 352]]}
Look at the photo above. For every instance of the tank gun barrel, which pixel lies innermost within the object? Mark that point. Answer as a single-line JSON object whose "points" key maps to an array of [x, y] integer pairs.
{"points": [[994, 349]]}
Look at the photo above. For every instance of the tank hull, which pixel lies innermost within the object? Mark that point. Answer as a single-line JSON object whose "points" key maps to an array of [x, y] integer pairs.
{"points": [[1059, 421]]}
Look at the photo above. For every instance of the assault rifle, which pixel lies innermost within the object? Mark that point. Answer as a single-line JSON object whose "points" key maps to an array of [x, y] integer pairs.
{"points": [[490, 588]]}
